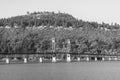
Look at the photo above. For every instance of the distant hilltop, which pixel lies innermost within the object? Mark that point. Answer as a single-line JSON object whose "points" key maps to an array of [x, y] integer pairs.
{"points": [[65, 20]]}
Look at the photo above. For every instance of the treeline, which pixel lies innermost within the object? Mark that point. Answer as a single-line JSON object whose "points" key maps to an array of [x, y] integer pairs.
{"points": [[85, 37], [34, 40]]}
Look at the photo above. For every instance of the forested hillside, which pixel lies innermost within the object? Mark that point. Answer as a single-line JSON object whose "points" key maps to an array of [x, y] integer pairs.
{"points": [[32, 33]]}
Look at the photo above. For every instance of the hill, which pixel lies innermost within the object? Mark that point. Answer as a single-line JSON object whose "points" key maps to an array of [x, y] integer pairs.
{"points": [[32, 33]]}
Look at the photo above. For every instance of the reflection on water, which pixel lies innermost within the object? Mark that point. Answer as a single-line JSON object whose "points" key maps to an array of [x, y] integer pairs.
{"points": [[61, 71]]}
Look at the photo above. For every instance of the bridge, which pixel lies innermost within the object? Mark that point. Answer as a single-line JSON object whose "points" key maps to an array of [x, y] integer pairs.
{"points": [[55, 57]]}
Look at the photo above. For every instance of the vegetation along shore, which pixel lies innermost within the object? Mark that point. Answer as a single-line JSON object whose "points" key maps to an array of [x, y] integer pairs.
{"points": [[55, 37]]}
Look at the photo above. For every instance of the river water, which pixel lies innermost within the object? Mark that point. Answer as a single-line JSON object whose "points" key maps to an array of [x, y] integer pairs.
{"points": [[108, 70]]}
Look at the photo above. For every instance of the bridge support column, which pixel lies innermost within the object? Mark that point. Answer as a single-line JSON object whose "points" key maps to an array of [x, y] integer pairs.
{"points": [[87, 58], [115, 58], [103, 59], [109, 59], [68, 58], [25, 60], [40, 59], [78, 59], [95, 58], [54, 59], [7, 60]]}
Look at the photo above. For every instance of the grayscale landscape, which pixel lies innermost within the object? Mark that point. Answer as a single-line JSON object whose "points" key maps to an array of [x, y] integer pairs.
{"points": [[59, 40]]}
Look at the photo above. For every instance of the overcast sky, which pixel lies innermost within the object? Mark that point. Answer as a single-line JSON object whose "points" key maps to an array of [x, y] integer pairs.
{"points": [[89, 10]]}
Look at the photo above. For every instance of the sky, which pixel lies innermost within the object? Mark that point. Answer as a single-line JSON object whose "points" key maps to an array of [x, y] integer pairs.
{"points": [[88, 10]]}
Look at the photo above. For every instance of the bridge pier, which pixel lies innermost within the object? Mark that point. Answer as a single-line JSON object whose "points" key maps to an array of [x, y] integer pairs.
{"points": [[87, 58], [40, 59], [109, 59], [68, 58], [7, 60], [95, 58], [78, 59], [54, 59], [103, 59], [115, 58], [25, 60]]}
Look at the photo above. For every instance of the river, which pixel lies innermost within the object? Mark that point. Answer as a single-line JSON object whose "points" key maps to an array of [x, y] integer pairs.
{"points": [[104, 70]]}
